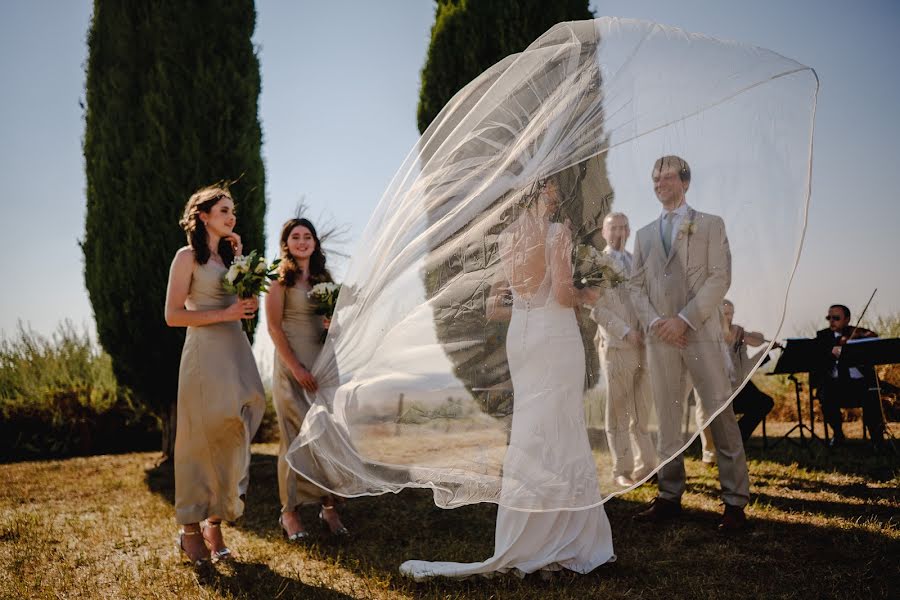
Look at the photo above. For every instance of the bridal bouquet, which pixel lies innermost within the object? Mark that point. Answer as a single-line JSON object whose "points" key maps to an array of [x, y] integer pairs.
{"points": [[593, 268], [324, 297], [249, 276]]}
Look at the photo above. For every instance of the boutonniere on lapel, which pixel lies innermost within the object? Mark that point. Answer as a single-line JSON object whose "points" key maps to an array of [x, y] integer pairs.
{"points": [[687, 229]]}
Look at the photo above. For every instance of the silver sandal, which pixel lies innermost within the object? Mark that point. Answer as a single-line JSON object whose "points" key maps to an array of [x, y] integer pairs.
{"points": [[179, 547], [292, 537], [217, 555]]}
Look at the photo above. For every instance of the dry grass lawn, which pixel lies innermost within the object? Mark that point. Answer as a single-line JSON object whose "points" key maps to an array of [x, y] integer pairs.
{"points": [[825, 525]]}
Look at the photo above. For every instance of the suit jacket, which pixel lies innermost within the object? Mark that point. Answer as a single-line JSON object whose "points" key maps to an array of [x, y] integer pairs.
{"points": [[614, 312], [825, 363], [692, 280]]}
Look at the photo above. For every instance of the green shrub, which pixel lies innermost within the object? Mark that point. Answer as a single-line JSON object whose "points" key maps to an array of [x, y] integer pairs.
{"points": [[59, 396]]}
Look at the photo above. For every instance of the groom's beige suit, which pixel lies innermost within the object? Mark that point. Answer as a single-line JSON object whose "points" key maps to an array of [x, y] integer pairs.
{"points": [[690, 282]]}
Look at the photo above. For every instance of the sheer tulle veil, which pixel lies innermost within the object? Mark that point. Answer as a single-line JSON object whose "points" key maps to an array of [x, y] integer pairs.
{"points": [[415, 379]]}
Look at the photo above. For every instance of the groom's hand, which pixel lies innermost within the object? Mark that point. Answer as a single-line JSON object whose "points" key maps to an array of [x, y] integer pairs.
{"points": [[672, 331]]}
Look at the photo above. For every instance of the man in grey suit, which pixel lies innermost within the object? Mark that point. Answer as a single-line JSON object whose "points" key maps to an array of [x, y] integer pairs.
{"points": [[681, 272], [621, 348]]}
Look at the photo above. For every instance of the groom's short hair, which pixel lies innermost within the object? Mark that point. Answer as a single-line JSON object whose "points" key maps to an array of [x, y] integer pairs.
{"points": [[671, 160]]}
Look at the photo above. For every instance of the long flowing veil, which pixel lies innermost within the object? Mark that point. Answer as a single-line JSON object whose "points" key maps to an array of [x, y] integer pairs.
{"points": [[415, 384]]}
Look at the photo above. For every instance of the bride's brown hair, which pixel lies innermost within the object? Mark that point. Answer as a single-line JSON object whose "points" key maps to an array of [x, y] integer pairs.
{"points": [[289, 271], [202, 201]]}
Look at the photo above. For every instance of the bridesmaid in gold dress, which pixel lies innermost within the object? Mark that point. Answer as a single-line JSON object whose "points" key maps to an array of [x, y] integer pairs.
{"points": [[297, 334], [220, 395]]}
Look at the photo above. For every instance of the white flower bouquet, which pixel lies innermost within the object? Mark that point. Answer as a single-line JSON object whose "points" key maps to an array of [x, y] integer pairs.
{"points": [[593, 268], [324, 297], [249, 276]]}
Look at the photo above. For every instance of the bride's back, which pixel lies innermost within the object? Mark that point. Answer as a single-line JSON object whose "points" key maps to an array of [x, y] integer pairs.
{"points": [[525, 252]]}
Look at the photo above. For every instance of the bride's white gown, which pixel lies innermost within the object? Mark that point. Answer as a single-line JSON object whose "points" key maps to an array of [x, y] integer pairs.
{"points": [[548, 462]]}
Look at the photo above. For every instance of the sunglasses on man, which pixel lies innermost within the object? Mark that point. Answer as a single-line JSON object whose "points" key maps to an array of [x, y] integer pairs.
{"points": [[833, 318]]}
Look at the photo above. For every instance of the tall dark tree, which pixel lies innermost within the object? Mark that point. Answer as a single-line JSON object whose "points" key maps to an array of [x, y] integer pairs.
{"points": [[469, 36], [172, 97]]}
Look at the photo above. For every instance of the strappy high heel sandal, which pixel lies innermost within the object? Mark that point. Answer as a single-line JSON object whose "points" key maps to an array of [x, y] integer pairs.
{"points": [[291, 537], [217, 555], [179, 547], [341, 531]]}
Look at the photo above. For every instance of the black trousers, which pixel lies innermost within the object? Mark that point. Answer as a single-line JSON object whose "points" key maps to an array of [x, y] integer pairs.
{"points": [[753, 405], [840, 392]]}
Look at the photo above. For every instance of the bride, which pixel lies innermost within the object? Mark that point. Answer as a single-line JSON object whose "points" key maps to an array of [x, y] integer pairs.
{"points": [[548, 462]]}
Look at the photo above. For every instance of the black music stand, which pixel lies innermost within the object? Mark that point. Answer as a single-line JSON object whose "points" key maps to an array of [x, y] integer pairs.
{"points": [[799, 356], [871, 351]]}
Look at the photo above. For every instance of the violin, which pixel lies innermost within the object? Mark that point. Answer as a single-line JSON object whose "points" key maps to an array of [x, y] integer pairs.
{"points": [[855, 332]]}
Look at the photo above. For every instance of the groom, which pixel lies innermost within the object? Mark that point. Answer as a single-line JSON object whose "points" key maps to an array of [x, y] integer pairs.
{"points": [[680, 273]]}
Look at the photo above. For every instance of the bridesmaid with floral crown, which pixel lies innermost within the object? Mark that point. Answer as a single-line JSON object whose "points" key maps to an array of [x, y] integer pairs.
{"points": [[220, 394], [297, 332]]}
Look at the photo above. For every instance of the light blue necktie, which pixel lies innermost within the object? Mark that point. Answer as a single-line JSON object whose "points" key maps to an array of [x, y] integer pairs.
{"points": [[667, 232]]}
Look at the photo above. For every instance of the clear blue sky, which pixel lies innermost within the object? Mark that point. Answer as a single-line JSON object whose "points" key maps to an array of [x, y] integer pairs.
{"points": [[340, 83]]}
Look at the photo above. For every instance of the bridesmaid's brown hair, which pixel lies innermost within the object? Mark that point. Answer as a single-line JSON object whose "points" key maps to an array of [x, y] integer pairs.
{"points": [[289, 270], [202, 201]]}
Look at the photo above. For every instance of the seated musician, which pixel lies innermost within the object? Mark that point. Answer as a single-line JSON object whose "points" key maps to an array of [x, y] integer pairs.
{"points": [[841, 384], [751, 403]]}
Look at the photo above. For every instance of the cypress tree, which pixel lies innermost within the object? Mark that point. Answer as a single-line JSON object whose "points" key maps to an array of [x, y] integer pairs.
{"points": [[172, 94], [468, 36]]}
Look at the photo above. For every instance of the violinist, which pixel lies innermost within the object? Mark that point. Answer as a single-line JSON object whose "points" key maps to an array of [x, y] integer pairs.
{"points": [[751, 403], [841, 384]]}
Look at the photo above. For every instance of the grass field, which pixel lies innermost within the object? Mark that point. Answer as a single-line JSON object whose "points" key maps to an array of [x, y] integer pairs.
{"points": [[825, 525]]}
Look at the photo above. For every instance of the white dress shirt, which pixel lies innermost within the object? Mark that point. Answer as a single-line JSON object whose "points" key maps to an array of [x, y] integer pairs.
{"points": [[854, 372], [625, 263]]}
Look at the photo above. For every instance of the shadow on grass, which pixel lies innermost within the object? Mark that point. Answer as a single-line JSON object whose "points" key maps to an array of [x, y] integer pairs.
{"points": [[854, 458], [823, 551], [256, 580], [261, 505]]}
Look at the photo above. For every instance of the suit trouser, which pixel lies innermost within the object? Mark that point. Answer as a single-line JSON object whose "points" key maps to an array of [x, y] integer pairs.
{"points": [[672, 372], [752, 404], [627, 411], [851, 392], [706, 439]]}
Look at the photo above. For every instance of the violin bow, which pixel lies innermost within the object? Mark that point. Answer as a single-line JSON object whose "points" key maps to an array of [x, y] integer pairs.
{"points": [[861, 315]]}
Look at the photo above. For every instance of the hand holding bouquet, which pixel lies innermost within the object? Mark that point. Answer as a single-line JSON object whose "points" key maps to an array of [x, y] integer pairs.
{"points": [[248, 277], [593, 268], [324, 297]]}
